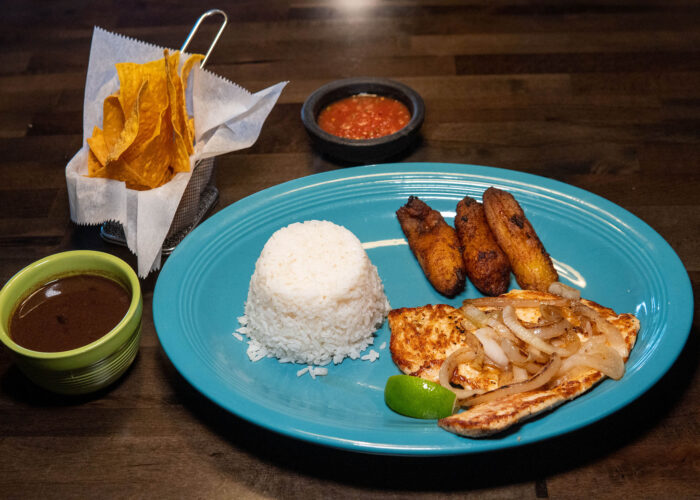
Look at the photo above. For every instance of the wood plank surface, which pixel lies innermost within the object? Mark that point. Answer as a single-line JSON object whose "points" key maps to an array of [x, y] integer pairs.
{"points": [[603, 95]]}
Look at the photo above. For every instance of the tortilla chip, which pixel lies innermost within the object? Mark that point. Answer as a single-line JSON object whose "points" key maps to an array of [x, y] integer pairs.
{"points": [[94, 165], [112, 120], [130, 130], [181, 153]]}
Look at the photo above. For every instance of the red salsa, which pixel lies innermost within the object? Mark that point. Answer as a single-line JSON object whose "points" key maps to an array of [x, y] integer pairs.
{"points": [[69, 312], [364, 116]]}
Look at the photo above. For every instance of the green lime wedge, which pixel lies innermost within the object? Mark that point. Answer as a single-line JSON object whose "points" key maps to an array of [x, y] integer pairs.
{"points": [[418, 398]]}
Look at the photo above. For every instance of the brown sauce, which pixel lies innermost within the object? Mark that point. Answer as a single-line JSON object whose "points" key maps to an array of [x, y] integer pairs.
{"points": [[68, 313]]}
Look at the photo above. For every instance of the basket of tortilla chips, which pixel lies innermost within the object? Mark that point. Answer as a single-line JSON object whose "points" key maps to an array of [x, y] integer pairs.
{"points": [[153, 122], [147, 135]]}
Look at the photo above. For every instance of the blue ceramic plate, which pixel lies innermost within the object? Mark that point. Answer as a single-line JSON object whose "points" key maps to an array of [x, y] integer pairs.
{"points": [[608, 253]]}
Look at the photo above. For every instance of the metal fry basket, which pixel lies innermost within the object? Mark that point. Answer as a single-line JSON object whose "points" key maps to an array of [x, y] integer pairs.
{"points": [[201, 193], [199, 198]]}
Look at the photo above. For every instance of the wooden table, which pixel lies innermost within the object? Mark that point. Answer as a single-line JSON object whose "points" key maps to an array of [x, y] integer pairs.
{"points": [[601, 95]]}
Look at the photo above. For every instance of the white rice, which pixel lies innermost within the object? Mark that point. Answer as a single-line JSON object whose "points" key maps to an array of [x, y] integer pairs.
{"points": [[314, 297], [371, 356]]}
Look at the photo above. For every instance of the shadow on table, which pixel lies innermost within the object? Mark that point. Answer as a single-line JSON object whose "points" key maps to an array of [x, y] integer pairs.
{"points": [[529, 463], [333, 162], [15, 385]]}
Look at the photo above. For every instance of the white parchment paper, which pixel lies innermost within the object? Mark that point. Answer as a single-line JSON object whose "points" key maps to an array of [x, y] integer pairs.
{"points": [[226, 117]]}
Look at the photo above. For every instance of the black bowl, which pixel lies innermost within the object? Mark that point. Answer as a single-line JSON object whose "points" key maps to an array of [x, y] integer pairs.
{"points": [[362, 150]]}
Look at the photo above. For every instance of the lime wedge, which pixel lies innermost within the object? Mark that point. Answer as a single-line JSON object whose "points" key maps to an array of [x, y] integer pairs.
{"points": [[418, 398]]}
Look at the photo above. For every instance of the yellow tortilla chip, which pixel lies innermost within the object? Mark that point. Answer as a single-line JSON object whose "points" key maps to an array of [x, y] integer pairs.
{"points": [[175, 93], [156, 155], [155, 128], [190, 130], [130, 81], [121, 170], [181, 154], [167, 175], [132, 76], [130, 130], [112, 121], [155, 73], [149, 126], [97, 145], [94, 165]]}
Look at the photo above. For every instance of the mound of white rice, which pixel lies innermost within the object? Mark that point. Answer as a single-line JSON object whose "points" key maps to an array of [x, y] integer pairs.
{"points": [[314, 297]]}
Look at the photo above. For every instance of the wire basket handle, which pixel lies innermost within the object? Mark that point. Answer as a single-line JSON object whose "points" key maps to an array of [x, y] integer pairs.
{"points": [[194, 29]]}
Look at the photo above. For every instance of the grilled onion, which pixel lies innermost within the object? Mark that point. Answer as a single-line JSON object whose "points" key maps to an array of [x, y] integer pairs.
{"points": [[551, 314], [509, 301], [571, 343], [461, 355], [537, 355], [492, 349], [519, 374], [502, 329], [475, 315], [598, 356], [550, 331], [535, 382], [513, 352], [524, 334], [586, 325], [558, 288], [532, 367], [612, 334]]}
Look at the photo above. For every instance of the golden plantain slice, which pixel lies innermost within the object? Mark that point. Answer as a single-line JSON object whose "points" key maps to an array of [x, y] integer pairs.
{"points": [[435, 245], [486, 264], [532, 265]]}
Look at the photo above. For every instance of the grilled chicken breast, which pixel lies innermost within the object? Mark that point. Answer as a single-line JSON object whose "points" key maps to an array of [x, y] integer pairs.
{"points": [[423, 337]]}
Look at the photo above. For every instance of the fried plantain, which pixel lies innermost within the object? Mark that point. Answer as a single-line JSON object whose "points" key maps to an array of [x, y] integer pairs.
{"points": [[486, 264], [532, 265], [435, 245]]}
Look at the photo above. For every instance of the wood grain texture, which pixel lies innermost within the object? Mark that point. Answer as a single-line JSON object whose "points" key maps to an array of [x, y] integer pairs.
{"points": [[601, 95]]}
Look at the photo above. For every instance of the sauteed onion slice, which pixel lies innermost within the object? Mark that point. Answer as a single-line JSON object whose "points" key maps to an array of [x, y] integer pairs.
{"points": [[462, 355], [500, 302], [550, 331], [524, 334], [559, 288], [513, 352], [492, 348], [551, 314], [539, 379], [612, 334], [570, 343], [475, 315], [598, 356]]}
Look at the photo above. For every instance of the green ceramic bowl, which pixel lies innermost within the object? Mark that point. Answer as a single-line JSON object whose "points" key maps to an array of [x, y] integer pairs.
{"points": [[93, 366]]}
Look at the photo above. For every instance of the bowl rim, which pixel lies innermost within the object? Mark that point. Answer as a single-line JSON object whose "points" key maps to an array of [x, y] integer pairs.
{"points": [[309, 119], [127, 273]]}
